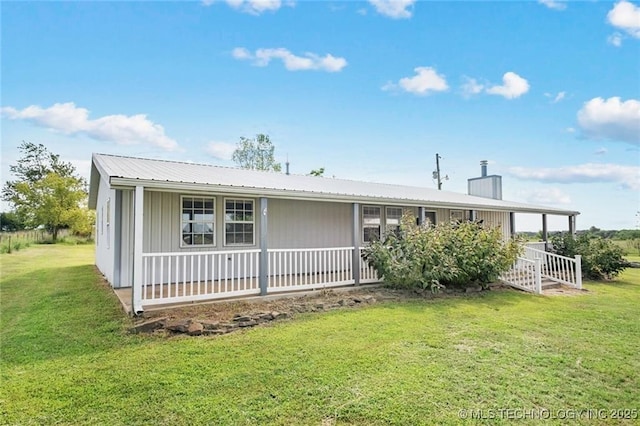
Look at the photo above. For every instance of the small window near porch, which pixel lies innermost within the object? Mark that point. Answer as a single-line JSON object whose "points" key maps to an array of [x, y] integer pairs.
{"points": [[370, 223], [198, 221], [238, 222], [394, 218], [457, 215], [430, 218]]}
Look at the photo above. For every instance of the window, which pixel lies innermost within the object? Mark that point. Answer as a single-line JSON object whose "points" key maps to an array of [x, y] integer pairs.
{"points": [[198, 225], [457, 215], [370, 223], [394, 217], [430, 218], [238, 222]]}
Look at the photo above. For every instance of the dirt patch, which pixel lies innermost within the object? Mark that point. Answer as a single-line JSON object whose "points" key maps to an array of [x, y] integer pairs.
{"points": [[227, 316], [564, 291]]}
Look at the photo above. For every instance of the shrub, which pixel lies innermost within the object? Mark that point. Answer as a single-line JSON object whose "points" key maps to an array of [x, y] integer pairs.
{"points": [[601, 259], [429, 257]]}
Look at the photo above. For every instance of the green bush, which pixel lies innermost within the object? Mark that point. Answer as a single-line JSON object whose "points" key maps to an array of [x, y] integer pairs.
{"points": [[601, 259], [430, 257]]}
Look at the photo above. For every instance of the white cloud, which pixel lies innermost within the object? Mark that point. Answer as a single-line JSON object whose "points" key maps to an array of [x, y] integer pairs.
{"points": [[611, 119], [615, 39], [220, 150], [396, 9], [471, 87], [254, 7], [627, 177], [425, 81], [310, 61], [626, 17], [546, 196], [513, 86], [69, 119], [553, 4]]}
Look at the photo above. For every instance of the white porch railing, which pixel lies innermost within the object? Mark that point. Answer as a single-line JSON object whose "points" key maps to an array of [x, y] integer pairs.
{"points": [[538, 245], [300, 269], [367, 273], [193, 276], [528, 271], [558, 268], [525, 275]]}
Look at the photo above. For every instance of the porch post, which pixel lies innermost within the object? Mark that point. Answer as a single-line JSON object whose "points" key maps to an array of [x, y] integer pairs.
{"points": [[263, 278], [572, 225], [544, 231], [136, 302], [512, 224], [355, 260], [420, 216]]}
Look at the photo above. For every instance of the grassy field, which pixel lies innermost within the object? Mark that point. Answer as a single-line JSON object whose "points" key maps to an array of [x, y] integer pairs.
{"points": [[67, 358]]}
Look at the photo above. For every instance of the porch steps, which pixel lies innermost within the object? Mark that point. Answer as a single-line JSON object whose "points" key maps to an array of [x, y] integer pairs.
{"points": [[548, 284]]}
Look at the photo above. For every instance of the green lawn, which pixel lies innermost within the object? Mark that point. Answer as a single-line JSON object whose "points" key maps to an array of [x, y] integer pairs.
{"points": [[67, 358]]}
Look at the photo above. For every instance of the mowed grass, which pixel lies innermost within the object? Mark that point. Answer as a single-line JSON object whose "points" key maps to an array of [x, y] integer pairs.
{"points": [[68, 359]]}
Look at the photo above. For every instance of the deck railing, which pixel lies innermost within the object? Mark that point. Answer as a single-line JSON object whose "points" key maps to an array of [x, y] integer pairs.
{"points": [[557, 268], [525, 275], [192, 276], [299, 269]]}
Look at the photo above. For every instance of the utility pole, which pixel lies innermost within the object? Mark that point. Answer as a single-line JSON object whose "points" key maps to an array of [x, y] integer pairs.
{"points": [[436, 173]]}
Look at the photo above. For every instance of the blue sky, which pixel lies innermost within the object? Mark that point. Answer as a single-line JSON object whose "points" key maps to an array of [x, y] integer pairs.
{"points": [[548, 92]]}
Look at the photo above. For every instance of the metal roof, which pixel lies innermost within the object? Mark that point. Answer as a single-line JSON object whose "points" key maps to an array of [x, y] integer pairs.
{"points": [[123, 172]]}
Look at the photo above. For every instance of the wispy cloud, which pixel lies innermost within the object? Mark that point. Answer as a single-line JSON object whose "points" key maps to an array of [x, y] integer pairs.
{"points": [[556, 98], [69, 119], [601, 151], [309, 61], [554, 4], [513, 86], [220, 150], [425, 81], [396, 9], [471, 87], [612, 119], [625, 16], [549, 196], [627, 177], [253, 7]]}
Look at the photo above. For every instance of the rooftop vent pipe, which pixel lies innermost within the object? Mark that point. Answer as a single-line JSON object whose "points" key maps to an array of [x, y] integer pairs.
{"points": [[483, 168]]}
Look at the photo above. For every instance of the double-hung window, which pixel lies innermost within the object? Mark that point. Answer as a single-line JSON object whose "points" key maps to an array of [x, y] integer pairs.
{"points": [[239, 221], [198, 221], [457, 215], [394, 217], [370, 223], [430, 217]]}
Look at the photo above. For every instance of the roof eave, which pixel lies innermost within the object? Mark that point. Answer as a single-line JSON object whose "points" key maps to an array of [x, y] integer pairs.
{"points": [[129, 183]]}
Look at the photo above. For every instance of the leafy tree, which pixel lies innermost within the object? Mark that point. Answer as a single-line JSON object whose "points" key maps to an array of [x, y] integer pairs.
{"points": [[10, 222], [47, 192], [601, 258], [256, 154], [317, 172]]}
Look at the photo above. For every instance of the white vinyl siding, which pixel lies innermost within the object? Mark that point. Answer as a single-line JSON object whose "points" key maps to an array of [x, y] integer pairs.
{"points": [[457, 215], [239, 222], [197, 221]]}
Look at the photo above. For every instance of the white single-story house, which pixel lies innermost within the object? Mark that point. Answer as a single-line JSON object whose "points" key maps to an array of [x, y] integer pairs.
{"points": [[180, 232]]}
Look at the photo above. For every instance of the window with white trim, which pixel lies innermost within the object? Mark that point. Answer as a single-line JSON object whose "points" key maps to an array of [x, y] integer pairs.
{"points": [[394, 218], [456, 215], [370, 223], [239, 221], [198, 221]]}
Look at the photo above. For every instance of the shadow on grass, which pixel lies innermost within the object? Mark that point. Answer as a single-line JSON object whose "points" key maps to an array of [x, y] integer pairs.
{"points": [[54, 312]]}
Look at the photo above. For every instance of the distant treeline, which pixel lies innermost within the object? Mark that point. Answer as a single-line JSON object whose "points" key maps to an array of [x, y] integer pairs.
{"points": [[611, 234]]}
